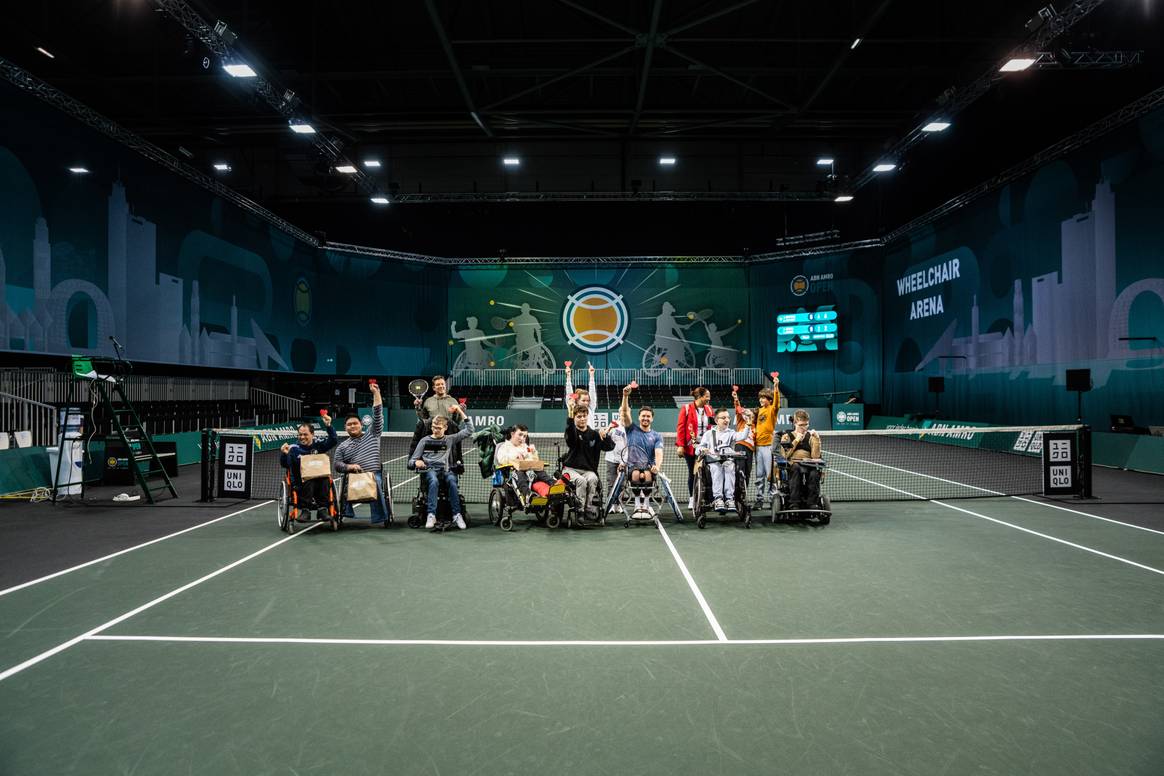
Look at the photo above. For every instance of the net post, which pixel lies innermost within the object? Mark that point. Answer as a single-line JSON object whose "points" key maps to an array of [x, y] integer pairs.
{"points": [[1085, 462], [207, 493]]}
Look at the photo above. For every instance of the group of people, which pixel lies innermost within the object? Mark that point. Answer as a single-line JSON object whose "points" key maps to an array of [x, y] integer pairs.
{"points": [[748, 438], [751, 436]]}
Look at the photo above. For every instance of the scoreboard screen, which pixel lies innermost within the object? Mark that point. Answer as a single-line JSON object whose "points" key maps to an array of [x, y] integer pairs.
{"points": [[803, 330]]}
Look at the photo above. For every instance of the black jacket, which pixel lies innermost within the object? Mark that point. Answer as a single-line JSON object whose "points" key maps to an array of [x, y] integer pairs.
{"points": [[584, 447]]}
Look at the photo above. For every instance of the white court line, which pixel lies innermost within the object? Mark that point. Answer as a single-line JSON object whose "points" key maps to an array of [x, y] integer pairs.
{"points": [[55, 574], [122, 618], [719, 634], [1088, 514], [629, 642], [1003, 522], [916, 474], [410, 479], [996, 493]]}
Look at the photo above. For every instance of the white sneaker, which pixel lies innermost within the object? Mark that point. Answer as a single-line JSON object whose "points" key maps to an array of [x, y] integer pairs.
{"points": [[431, 522], [691, 502], [459, 522]]}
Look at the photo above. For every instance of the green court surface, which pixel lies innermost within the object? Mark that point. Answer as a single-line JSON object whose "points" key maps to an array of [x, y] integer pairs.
{"points": [[904, 638]]}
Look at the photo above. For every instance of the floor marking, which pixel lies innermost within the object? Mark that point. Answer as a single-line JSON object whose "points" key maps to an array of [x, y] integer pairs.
{"points": [[55, 574], [122, 618], [1088, 514], [629, 642], [1003, 522], [719, 634]]}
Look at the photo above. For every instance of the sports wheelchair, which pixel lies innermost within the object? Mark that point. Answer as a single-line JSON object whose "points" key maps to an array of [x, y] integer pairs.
{"points": [[443, 511], [661, 493], [301, 503], [818, 507], [385, 493], [560, 505], [703, 489]]}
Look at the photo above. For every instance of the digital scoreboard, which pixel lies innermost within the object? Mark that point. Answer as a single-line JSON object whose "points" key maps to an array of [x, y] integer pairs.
{"points": [[807, 330]]}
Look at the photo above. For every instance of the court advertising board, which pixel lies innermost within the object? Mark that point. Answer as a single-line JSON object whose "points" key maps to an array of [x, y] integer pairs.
{"points": [[235, 457]]}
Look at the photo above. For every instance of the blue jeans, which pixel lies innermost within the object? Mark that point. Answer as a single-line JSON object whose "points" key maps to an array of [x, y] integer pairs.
{"points": [[763, 471], [432, 480], [379, 507]]}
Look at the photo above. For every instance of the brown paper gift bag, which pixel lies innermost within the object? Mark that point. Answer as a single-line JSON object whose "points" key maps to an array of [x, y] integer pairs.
{"points": [[361, 487], [313, 467]]}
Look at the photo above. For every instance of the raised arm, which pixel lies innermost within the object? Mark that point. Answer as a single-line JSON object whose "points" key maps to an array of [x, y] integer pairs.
{"points": [[624, 408]]}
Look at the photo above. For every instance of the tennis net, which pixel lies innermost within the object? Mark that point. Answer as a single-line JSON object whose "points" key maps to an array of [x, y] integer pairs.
{"points": [[865, 465]]}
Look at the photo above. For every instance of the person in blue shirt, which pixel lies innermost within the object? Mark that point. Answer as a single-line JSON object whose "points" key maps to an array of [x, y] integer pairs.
{"points": [[312, 491], [644, 452]]}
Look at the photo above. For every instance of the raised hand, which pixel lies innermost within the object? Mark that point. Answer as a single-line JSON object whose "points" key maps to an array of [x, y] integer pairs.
{"points": [[285, 448]]}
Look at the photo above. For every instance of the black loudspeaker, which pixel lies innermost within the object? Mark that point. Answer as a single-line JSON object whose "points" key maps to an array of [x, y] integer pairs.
{"points": [[937, 385], [1079, 380]]}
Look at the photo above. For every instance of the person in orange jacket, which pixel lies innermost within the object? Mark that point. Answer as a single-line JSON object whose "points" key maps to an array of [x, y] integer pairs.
{"points": [[694, 419]]}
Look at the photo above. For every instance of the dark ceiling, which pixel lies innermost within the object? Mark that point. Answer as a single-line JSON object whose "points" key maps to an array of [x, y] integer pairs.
{"points": [[745, 95]]}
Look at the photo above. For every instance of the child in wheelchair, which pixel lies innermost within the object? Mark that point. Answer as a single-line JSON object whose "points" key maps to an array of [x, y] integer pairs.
{"points": [[432, 457], [313, 493], [517, 451], [801, 450], [720, 456]]}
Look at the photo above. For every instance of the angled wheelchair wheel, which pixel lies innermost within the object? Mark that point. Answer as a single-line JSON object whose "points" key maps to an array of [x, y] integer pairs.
{"points": [[414, 521], [505, 522], [699, 507], [701, 521], [282, 510], [553, 517], [827, 506], [777, 506], [496, 505]]}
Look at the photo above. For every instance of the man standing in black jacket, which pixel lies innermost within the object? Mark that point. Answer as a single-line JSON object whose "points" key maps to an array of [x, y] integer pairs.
{"points": [[581, 463]]}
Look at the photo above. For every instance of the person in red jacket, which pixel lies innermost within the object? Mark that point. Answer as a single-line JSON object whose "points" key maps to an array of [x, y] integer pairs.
{"points": [[694, 419]]}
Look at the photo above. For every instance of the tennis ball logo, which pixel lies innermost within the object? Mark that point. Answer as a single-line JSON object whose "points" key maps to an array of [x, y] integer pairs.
{"points": [[799, 285], [595, 319], [301, 304]]}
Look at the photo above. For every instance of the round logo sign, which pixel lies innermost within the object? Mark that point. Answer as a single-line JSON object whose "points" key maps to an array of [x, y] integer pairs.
{"points": [[799, 285], [840, 416], [595, 319]]}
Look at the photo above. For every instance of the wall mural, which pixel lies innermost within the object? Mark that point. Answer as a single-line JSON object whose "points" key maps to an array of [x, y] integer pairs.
{"points": [[178, 275], [1064, 269], [653, 318]]}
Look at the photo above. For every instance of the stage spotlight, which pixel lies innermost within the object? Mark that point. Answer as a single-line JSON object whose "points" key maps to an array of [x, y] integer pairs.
{"points": [[1017, 64], [824, 161], [856, 42], [379, 199], [239, 70], [222, 166], [346, 169], [936, 126], [844, 198], [372, 164], [78, 170], [885, 167], [667, 161], [511, 161], [46, 53], [301, 127]]}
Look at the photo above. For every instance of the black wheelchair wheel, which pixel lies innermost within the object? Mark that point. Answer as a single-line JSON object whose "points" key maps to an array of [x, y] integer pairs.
{"points": [[554, 517], [282, 511], [701, 521], [414, 521], [827, 506], [698, 507], [496, 505]]}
